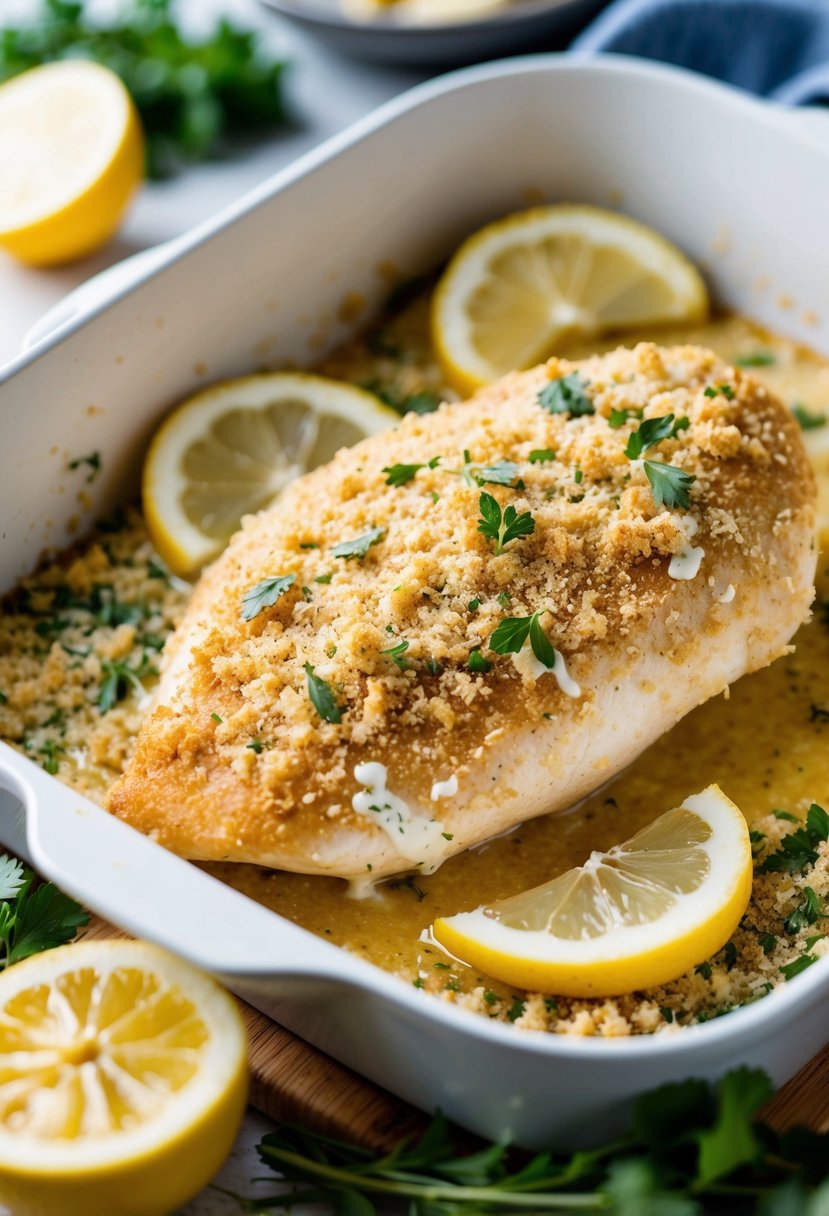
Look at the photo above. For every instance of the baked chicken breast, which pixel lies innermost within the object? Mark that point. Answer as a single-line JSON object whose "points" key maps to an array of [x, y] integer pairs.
{"points": [[478, 617]]}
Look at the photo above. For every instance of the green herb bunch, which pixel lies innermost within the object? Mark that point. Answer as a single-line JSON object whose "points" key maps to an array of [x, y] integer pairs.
{"points": [[191, 95], [690, 1144], [33, 917]]}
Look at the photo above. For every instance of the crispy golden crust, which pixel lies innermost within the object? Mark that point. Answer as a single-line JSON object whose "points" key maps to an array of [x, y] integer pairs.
{"points": [[272, 781]]}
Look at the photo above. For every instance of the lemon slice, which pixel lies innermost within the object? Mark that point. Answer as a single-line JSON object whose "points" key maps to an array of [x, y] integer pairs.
{"points": [[515, 290], [641, 914], [230, 450], [71, 155], [123, 1080]]}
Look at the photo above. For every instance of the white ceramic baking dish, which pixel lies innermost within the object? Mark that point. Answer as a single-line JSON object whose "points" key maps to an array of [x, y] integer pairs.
{"points": [[741, 186]]}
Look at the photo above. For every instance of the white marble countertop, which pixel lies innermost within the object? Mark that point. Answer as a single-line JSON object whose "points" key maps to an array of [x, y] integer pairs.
{"points": [[325, 93]]}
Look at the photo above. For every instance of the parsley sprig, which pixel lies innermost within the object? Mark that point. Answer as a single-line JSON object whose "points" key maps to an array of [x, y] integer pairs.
{"points": [[653, 431], [502, 527], [360, 546], [513, 631], [33, 917], [191, 94], [322, 696], [400, 474], [688, 1142], [669, 484], [799, 848]]}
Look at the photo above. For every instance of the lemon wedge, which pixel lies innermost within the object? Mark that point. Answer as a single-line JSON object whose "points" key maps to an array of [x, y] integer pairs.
{"points": [[517, 288], [641, 914], [71, 156], [231, 449], [123, 1081]]}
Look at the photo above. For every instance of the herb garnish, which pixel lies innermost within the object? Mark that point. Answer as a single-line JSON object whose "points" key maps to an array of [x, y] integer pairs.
{"points": [[502, 528], [757, 358], [477, 663], [92, 461], [512, 633], [651, 432], [119, 678], [396, 654], [807, 913], [799, 848], [720, 390], [33, 918], [322, 696], [688, 1141], [400, 474], [265, 594], [567, 396], [541, 455], [191, 93], [808, 420], [619, 417], [670, 485], [360, 546]]}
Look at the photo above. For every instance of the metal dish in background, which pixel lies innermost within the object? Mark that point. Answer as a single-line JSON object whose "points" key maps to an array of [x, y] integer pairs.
{"points": [[521, 25]]}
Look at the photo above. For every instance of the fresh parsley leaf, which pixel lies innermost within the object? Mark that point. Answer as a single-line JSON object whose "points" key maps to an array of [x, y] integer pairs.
{"points": [[322, 697], [567, 396], [807, 913], [502, 473], [396, 654], [360, 546], [502, 528], [808, 419], [324, 578], [265, 594], [799, 848], [817, 822], [733, 1141], [757, 358], [477, 663], [647, 434], [400, 474], [12, 876], [618, 418], [92, 462], [217, 718], [118, 679], [720, 390], [433, 667], [45, 918], [512, 633], [669, 485], [541, 455], [542, 647]]}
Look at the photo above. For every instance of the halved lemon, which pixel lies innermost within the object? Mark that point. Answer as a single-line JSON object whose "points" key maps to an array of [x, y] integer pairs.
{"points": [[123, 1080], [517, 288], [641, 914], [71, 156], [229, 451]]}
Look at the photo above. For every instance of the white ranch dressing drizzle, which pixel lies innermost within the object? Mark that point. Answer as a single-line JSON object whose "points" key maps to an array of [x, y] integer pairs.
{"points": [[415, 837], [445, 789], [727, 595], [528, 665], [685, 564]]}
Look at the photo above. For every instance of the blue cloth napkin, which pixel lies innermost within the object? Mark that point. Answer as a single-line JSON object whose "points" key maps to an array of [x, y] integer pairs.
{"points": [[776, 48]]}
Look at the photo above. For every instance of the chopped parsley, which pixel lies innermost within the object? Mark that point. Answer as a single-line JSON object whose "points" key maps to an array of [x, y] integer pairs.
{"points": [[566, 396], [512, 633], [433, 667], [501, 473], [651, 432], [255, 745], [477, 663], [217, 718], [797, 966], [396, 654], [720, 390], [92, 462], [401, 474], [516, 1009], [669, 485], [756, 358], [799, 848], [322, 697], [502, 528], [360, 546], [807, 913], [324, 578], [118, 679], [541, 455], [808, 420], [474, 605], [265, 594], [619, 417]]}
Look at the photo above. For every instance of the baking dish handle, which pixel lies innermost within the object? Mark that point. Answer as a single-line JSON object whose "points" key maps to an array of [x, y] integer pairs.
{"points": [[147, 891]]}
